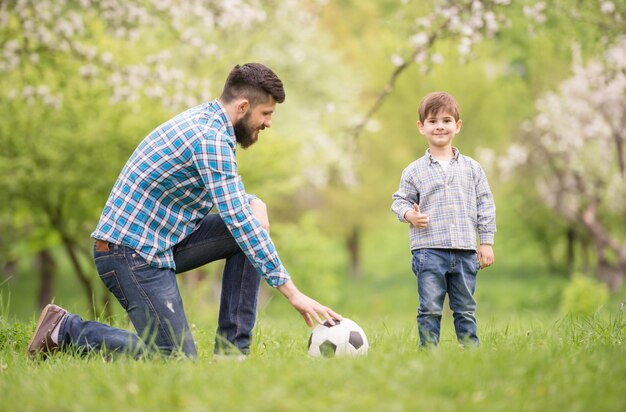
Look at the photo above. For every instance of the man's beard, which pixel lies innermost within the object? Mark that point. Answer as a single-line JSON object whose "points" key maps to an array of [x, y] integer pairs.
{"points": [[244, 132]]}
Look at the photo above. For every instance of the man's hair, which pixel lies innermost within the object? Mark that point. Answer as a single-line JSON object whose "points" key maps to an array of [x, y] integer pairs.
{"points": [[254, 82], [434, 103]]}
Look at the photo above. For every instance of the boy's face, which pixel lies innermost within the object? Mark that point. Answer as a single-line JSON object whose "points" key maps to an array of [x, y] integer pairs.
{"points": [[439, 129]]}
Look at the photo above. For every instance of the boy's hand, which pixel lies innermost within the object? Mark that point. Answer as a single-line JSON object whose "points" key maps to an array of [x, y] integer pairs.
{"points": [[485, 256], [416, 217]]}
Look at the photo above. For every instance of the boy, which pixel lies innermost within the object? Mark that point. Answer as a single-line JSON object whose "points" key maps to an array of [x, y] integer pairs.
{"points": [[446, 199]]}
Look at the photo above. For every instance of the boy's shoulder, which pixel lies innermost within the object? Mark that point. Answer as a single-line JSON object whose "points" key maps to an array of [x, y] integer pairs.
{"points": [[469, 160], [420, 161], [472, 166]]}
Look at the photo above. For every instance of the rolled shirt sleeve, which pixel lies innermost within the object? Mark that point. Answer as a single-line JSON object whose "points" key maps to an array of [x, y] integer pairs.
{"points": [[486, 209], [405, 196], [215, 160]]}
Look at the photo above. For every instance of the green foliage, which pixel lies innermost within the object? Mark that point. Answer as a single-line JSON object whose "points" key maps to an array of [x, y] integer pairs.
{"points": [[583, 295], [316, 261], [13, 335], [70, 120]]}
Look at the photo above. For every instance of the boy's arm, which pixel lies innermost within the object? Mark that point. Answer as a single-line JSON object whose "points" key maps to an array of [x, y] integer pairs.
{"points": [[486, 221], [405, 197], [486, 210]]}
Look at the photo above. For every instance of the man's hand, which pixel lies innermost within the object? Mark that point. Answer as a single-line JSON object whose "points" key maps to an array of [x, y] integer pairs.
{"points": [[485, 256], [308, 308], [416, 217], [259, 209]]}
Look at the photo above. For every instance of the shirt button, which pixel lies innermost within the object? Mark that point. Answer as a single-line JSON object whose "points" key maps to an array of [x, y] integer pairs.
{"points": [[452, 226]]}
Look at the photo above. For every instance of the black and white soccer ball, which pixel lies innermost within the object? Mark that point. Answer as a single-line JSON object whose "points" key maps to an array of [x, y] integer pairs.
{"points": [[344, 338]]}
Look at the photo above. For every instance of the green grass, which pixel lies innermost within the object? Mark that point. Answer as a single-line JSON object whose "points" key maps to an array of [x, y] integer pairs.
{"points": [[531, 359]]}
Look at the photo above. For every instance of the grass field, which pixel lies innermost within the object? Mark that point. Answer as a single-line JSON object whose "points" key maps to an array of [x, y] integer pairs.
{"points": [[531, 359]]}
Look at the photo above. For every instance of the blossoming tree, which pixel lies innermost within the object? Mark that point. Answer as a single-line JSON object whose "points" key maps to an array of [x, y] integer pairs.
{"points": [[81, 82], [575, 151]]}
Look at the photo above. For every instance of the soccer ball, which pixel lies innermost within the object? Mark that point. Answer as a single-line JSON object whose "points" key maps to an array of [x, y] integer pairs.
{"points": [[344, 338]]}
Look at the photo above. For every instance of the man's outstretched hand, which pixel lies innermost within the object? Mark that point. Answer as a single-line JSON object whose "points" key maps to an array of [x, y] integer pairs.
{"points": [[311, 310]]}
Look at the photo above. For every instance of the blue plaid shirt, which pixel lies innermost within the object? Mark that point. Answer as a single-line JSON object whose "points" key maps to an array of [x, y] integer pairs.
{"points": [[177, 174], [458, 203]]}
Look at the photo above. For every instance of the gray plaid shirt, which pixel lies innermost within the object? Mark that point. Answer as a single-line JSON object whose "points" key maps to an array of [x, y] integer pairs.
{"points": [[458, 203]]}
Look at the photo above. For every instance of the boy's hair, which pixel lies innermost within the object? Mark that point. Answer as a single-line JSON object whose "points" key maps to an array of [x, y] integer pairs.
{"points": [[254, 82], [434, 103]]}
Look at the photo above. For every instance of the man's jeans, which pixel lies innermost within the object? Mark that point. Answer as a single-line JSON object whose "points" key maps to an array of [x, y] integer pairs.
{"points": [[152, 299], [441, 271]]}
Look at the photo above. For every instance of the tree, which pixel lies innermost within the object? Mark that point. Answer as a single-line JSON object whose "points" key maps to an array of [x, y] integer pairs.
{"points": [[430, 36], [83, 81], [575, 150]]}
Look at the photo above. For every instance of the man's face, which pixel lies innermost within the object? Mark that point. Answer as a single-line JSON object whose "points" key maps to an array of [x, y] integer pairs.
{"points": [[439, 129], [255, 119]]}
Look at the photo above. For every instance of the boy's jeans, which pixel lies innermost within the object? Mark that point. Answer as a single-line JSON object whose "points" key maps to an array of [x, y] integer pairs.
{"points": [[152, 300], [441, 271]]}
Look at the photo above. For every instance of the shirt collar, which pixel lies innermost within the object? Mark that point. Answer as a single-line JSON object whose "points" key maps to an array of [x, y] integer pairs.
{"points": [[216, 108], [432, 160]]}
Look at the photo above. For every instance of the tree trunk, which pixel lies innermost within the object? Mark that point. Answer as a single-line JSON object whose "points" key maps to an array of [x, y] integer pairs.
{"points": [[353, 243], [612, 274], [10, 268], [585, 252], [47, 270]]}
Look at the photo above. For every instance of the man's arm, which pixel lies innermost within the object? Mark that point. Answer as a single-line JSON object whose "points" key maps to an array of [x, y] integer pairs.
{"points": [[218, 168], [308, 308], [215, 160], [259, 210]]}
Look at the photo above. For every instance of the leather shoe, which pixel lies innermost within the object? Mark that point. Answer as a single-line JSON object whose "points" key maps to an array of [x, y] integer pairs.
{"points": [[41, 342]]}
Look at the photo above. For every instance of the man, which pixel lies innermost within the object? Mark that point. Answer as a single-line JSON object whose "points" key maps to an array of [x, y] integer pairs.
{"points": [[156, 223]]}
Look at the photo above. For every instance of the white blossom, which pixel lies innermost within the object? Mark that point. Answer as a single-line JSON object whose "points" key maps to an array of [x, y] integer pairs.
{"points": [[536, 12], [486, 157], [419, 39], [436, 58], [88, 71], [420, 57], [576, 144], [397, 60], [465, 46], [607, 7]]}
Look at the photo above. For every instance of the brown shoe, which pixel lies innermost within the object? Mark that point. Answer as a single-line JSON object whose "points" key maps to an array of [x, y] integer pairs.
{"points": [[41, 341]]}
